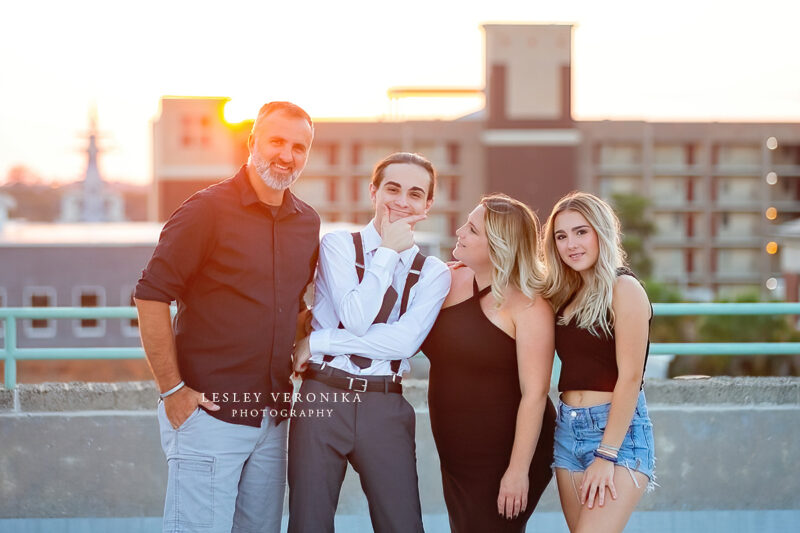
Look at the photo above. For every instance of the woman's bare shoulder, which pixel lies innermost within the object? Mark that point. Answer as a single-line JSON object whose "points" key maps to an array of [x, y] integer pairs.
{"points": [[460, 285], [521, 303], [629, 294]]}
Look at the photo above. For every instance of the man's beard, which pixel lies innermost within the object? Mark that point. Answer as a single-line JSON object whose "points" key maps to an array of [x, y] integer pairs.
{"points": [[273, 181]]}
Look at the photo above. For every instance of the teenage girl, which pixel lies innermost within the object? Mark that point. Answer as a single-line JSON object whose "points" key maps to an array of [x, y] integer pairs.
{"points": [[603, 456]]}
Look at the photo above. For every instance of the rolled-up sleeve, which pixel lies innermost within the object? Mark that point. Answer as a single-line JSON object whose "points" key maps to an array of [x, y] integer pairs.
{"points": [[400, 339], [184, 244]]}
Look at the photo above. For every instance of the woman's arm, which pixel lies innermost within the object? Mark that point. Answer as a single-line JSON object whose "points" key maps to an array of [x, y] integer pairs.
{"points": [[535, 326], [631, 326]]}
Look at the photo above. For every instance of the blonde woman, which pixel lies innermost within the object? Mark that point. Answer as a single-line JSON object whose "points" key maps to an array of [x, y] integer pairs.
{"points": [[604, 456], [491, 353]]}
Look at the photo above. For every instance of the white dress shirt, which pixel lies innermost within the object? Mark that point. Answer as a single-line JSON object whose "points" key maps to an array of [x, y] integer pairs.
{"points": [[339, 297]]}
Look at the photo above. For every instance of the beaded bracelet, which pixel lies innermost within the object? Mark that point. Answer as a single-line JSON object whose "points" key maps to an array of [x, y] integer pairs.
{"points": [[602, 455]]}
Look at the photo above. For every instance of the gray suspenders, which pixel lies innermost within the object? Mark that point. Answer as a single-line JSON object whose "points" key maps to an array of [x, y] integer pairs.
{"points": [[389, 300]]}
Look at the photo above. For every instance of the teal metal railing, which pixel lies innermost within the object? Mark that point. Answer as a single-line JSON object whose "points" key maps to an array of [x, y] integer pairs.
{"points": [[11, 353], [725, 348]]}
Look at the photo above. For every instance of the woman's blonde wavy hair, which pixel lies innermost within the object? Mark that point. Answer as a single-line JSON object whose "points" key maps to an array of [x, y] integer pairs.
{"points": [[592, 308], [512, 230]]}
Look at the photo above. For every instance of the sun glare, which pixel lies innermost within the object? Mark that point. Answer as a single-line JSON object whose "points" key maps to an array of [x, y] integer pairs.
{"points": [[237, 111]]}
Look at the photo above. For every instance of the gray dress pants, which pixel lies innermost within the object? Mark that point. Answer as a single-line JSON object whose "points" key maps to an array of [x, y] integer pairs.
{"points": [[374, 431]]}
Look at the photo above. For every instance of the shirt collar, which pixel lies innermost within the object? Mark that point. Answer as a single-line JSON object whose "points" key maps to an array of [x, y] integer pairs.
{"points": [[248, 196], [372, 240]]}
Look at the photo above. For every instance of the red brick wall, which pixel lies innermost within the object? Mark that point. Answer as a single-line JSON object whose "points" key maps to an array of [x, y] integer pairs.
{"points": [[536, 175]]}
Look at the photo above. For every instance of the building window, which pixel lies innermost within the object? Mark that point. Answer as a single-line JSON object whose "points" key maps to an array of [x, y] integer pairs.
{"points": [[332, 189], [619, 154], [89, 296], [39, 297], [454, 196], [130, 327], [186, 129], [691, 154], [356, 154], [453, 153], [669, 154], [787, 154], [732, 155], [88, 299], [333, 154], [40, 300], [453, 223]]}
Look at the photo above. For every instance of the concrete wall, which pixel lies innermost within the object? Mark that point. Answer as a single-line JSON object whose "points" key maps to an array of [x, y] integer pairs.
{"points": [[92, 450]]}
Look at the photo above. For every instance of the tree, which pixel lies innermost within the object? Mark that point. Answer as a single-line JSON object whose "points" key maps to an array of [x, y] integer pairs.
{"points": [[759, 328], [667, 328], [20, 174], [636, 229]]}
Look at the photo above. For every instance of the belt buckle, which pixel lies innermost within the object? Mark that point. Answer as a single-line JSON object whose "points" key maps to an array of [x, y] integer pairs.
{"points": [[350, 386]]}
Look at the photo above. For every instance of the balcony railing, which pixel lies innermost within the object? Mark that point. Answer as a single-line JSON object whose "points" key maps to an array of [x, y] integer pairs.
{"points": [[11, 353]]}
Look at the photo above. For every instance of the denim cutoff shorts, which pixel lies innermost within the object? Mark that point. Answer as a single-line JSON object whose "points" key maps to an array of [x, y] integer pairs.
{"points": [[579, 431]]}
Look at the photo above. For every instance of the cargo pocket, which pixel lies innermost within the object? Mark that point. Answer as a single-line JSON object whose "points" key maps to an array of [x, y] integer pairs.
{"points": [[192, 490]]}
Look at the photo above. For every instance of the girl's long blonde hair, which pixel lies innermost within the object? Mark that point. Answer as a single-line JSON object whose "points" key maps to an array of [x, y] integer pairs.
{"points": [[512, 230], [592, 308]]}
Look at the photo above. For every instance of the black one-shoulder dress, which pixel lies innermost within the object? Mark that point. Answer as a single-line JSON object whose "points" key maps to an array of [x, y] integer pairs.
{"points": [[473, 397]]}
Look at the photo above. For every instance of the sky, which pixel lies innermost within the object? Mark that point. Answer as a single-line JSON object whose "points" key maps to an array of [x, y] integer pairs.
{"points": [[697, 60]]}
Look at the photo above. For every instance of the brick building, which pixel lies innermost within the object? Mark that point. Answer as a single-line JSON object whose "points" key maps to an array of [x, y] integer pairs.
{"points": [[717, 190]]}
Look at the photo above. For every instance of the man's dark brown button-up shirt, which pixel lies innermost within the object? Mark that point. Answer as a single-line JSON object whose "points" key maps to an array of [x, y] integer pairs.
{"points": [[238, 273]]}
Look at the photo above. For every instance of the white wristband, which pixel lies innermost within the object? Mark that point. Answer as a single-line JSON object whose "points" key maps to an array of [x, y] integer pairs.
{"points": [[173, 390]]}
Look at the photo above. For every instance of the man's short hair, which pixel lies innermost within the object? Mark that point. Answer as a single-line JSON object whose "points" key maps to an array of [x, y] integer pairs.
{"points": [[289, 108], [404, 158]]}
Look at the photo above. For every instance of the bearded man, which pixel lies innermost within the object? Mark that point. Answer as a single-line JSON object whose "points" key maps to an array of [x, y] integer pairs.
{"points": [[237, 258]]}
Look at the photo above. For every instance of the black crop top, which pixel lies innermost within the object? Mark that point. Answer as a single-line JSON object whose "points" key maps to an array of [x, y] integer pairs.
{"points": [[589, 362]]}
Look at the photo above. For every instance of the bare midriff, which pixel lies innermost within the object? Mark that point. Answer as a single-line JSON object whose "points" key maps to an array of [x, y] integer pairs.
{"points": [[585, 398]]}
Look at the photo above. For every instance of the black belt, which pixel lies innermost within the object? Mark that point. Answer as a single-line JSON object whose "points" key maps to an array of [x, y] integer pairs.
{"points": [[346, 381]]}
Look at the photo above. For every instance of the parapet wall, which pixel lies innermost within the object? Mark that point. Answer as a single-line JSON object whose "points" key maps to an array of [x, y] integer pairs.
{"points": [[92, 449]]}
